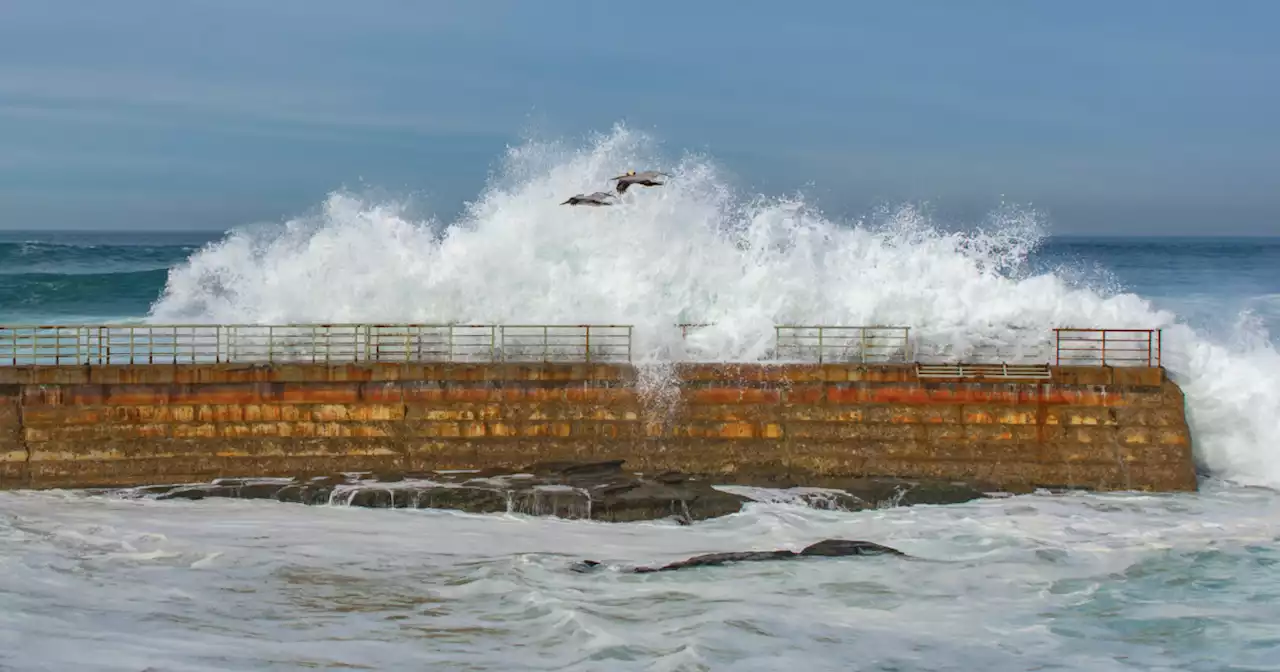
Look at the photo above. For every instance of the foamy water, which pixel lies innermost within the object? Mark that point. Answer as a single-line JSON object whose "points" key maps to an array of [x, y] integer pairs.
{"points": [[1089, 582], [696, 251]]}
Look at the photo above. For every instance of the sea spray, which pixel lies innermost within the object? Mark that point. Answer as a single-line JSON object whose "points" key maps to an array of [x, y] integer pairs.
{"points": [[658, 386], [694, 251]]}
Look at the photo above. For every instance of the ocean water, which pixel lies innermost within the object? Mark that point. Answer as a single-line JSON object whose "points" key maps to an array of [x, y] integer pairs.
{"points": [[1073, 582]]}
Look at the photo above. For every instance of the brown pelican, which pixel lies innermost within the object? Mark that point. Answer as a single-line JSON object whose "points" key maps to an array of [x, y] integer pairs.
{"points": [[646, 179], [596, 199]]}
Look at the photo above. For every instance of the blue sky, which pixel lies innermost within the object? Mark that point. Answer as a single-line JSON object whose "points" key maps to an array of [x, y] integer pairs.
{"points": [[1115, 117]]}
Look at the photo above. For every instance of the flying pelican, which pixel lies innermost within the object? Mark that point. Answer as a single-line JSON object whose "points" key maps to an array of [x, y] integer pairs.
{"points": [[646, 179], [596, 199]]}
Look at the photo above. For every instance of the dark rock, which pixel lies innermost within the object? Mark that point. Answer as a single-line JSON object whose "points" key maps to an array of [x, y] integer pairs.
{"points": [[833, 500], [249, 491], [260, 490], [584, 566], [561, 502], [221, 491], [875, 492], [376, 498], [839, 548], [577, 469], [716, 559], [184, 493], [686, 502], [600, 490], [304, 494], [827, 548], [153, 490], [317, 496], [613, 489], [939, 492], [321, 480], [471, 500], [290, 493]]}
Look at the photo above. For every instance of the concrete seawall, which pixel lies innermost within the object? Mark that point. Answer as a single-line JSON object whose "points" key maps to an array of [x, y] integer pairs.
{"points": [[1100, 428]]}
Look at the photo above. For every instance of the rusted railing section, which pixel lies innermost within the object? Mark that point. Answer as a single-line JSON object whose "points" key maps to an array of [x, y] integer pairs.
{"points": [[1107, 347], [62, 345], [842, 344]]}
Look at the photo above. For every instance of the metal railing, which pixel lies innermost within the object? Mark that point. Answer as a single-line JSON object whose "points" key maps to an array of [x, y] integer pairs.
{"points": [[555, 343], [842, 344], [312, 343], [984, 371], [1026, 350], [339, 343], [1107, 347]]}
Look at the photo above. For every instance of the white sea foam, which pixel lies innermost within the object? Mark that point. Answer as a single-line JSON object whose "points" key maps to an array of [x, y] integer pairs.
{"points": [[1080, 582], [696, 251]]}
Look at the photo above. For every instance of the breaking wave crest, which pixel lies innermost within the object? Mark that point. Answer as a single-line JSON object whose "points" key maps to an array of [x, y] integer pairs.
{"points": [[697, 251]]}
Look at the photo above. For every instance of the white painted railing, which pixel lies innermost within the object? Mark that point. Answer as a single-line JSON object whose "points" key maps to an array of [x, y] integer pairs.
{"points": [[314, 343], [339, 343]]}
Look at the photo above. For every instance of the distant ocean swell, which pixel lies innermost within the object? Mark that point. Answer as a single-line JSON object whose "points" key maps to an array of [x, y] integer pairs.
{"points": [[44, 282]]}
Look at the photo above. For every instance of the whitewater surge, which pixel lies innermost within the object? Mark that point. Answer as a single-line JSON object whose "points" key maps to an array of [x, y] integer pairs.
{"points": [[697, 251], [1080, 582]]}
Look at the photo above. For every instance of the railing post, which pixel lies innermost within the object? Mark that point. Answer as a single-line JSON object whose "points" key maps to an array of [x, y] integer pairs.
{"points": [[820, 353], [587, 340], [1104, 347]]}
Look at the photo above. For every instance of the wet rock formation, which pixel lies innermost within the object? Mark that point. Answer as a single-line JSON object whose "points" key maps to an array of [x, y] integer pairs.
{"points": [[589, 490], [827, 548]]}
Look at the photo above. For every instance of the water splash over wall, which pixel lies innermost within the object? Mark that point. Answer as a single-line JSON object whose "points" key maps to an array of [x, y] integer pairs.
{"points": [[696, 251]]}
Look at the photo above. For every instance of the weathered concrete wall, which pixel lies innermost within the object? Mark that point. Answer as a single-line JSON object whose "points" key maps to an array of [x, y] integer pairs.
{"points": [[1096, 428], [13, 452]]}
